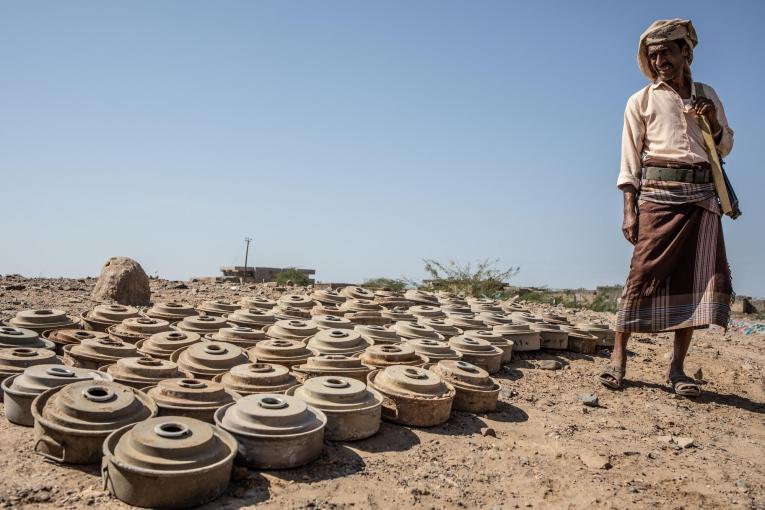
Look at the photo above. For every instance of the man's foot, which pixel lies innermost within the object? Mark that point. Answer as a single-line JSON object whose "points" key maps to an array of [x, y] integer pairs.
{"points": [[683, 385], [612, 376]]}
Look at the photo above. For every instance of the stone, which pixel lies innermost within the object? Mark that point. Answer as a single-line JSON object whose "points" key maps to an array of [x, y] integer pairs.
{"points": [[123, 281], [685, 442], [488, 431], [664, 439], [549, 364], [594, 460], [698, 374], [590, 399]]}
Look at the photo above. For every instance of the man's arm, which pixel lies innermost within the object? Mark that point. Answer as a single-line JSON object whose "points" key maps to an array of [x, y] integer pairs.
{"points": [[633, 136], [630, 224]]}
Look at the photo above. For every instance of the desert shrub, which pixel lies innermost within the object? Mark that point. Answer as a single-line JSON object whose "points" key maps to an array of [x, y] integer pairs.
{"points": [[484, 279], [393, 284], [292, 275]]}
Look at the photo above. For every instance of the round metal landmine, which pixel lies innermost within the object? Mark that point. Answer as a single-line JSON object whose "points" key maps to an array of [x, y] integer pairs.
{"points": [[11, 336], [527, 317], [274, 431], [360, 305], [495, 339], [63, 337], [202, 324], [427, 311], [484, 307], [103, 316], [281, 352], [332, 364], [137, 328], [14, 360], [606, 336], [142, 372], [257, 302], [338, 341], [355, 292], [353, 410], [328, 297], [253, 378], [292, 330], [551, 335], [381, 356], [320, 309], [21, 389], [552, 318], [522, 336], [478, 352], [41, 320], [163, 345], [456, 309], [331, 322], [477, 392], [193, 398], [255, 318], [216, 307], [378, 335], [94, 353], [434, 350], [413, 396], [444, 327], [238, 335], [494, 318], [408, 330], [467, 322], [372, 317], [296, 300], [168, 462], [580, 341], [205, 360], [420, 297], [291, 313], [72, 421], [398, 314], [171, 311]]}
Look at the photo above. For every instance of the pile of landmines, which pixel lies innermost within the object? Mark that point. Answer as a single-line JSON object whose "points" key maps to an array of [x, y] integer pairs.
{"points": [[168, 398]]}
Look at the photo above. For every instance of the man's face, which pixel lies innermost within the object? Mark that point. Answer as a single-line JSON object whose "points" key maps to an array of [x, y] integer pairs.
{"points": [[667, 59]]}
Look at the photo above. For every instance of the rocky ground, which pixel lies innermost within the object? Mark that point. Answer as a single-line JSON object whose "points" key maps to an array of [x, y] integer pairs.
{"points": [[639, 448]]}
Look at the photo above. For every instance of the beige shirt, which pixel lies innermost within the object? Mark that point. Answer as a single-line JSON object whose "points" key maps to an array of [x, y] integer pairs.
{"points": [[658, 125]]}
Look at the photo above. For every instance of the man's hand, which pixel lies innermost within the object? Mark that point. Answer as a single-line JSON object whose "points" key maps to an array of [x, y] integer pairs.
{"points": [[630, 224], [706, 107]]}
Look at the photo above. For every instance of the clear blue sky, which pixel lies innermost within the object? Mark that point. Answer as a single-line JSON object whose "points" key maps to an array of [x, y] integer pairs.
{"points": [[356, 138]]}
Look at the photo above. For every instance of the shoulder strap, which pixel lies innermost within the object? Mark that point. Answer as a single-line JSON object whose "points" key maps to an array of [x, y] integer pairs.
{"points": [[700, 90]]}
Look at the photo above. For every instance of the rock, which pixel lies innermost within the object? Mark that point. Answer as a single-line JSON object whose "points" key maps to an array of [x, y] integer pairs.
{"points": [[664, 439], [589, 399], [124, 281], [594, 460], [698, 374], [685, 442], [488, 431], [549, 364]]}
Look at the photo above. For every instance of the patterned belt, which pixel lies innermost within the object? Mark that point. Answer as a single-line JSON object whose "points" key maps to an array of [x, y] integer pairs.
{"points": [[691, 175]]}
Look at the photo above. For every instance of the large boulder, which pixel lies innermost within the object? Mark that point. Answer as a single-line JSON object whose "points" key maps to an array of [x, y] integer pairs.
{"points": [[123, 281]]}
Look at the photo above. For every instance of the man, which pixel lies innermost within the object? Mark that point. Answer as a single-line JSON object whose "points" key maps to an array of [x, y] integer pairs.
{"points": [[679, 277]]}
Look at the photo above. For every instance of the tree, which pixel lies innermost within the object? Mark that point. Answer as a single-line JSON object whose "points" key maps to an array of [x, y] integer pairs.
{"points": [[483, 280], [292, 275]]}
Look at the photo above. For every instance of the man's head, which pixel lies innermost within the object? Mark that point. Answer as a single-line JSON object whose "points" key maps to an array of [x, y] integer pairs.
{"points": [[670, 43]]}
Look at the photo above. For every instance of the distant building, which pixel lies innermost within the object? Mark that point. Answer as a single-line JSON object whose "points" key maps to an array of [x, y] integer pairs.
{"points": [[260, 274]]}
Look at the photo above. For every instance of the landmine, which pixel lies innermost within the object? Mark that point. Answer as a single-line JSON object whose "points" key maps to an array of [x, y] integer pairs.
{"points": [[296, 300], [444, 327], [467, 322], [353, 411], [21, 389], [483, 305], [398, 314], [252, 378], [192, 398], [456, 309], [410, 330], [433, 350], [242, 336], [202, 324], [523, 337], [205, 360], [363, 311], [378, 335], [163, 345], [493, 318], [476, 391], [168, 462], [381, 356], [72, 421], [328, 297], [495, 339], [338, 341], [255, 318], [339, 365], [273, 431], [137, 328], [355, 292], [413, 396], [15, 360], [97, 352], [103, 316], [257, 302], [171, 311], [291, 313], [580, 341], [140, 373], [332, 322], [43, 320], [11, 336], [216, 308], [606, 336], [322, 309], [427, 312], [292, 330], [478, 352], [281, 352], [552, 336], [63, 337], [421, 298]]}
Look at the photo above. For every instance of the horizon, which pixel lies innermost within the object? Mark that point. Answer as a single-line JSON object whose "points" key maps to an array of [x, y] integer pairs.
{"points": [[356, 140]]}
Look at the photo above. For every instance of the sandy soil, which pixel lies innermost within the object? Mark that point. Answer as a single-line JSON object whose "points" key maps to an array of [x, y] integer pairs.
{"points": [[543, 449]]}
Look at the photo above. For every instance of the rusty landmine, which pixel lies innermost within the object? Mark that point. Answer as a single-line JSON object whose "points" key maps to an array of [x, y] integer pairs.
{"points": [[580, 340], [434, 350], [478, 352], [398, 314], [216, 307], [526, 317], [321, 309], [493, 318], [72, 421], [281, 352], [522, 336], [297, 301], [251, 378], [606, 335], [256, 318], [14, 360], [43, 320], [257, 302], [338, 341], [511, 307], [192, 398], [467, 321], [332, 364], [367, 318], [413, 396], [484, 305], [390, 299], [11, 336], [137, 328], [292, 329], [458, 309], [328, 297], [420, 297], [476, 391], [379, 335], [64, 337], [171, 311], [205, 360], [331, 322], [163, 345], [103, 316], [142, 372], [495, 339], [353, 410], [553, 318], [237, 335], [202, 324], [551, 335], [97, 352], [356, 292], [409, 330], [360, 305], [381, 356], [288, 313], [445, 327], [427, 312]]}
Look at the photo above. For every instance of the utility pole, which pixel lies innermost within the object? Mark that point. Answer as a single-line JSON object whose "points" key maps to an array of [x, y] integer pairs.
{"points": [[246, 254]]}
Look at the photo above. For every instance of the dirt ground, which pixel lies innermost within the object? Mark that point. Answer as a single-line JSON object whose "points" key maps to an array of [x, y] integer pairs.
{"points": [[542, 449]]}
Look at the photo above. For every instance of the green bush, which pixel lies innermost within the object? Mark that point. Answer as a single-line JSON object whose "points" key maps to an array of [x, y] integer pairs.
{"points": [[393, 284], [292, 275], [483, 280]]}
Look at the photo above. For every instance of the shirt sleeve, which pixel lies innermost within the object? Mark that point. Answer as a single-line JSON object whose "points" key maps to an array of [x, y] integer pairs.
{"points": [[726, 141], [633, 136]]}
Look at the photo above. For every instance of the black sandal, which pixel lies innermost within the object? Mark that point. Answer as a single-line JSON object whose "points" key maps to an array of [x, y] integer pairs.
{"points": [[684, 386], [612, 377]]}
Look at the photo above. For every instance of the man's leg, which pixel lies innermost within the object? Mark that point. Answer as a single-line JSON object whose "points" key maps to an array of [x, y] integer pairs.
{"points": [[680, 350], [613, 374]]}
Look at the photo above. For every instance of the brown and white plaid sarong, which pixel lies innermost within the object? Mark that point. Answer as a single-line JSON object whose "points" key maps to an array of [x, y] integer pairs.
{"points": [[679, 275]]}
